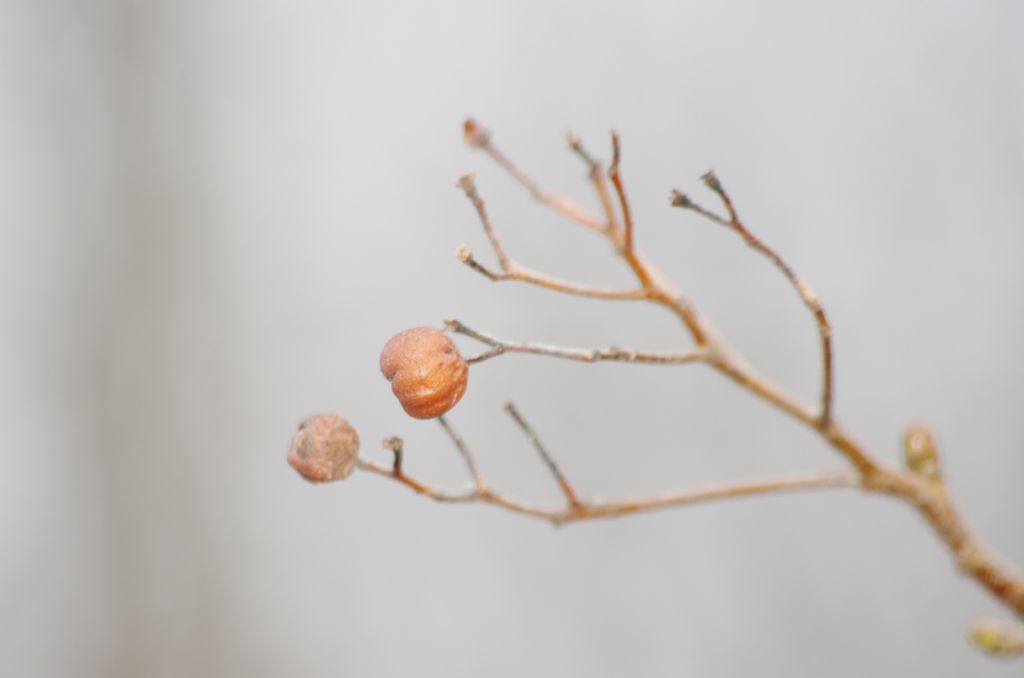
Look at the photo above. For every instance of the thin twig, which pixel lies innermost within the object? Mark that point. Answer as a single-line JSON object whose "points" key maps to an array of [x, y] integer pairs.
{"points": [[394, 444], [598, 179], [594, 509], [806, 481], [479, 137], [467, 456], [660, 290], [549, 461], [806, 294], [510, 270], [680, 199], [585, 355], [468, 185], [628, 251], [998, 638], [521, 274]]}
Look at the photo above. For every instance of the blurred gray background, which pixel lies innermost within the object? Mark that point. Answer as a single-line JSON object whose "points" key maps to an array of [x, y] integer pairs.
{"points": [[215, 213]]}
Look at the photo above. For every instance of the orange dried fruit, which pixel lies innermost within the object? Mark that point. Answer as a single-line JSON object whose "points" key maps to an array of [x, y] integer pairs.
{"points": [[428, 375]]}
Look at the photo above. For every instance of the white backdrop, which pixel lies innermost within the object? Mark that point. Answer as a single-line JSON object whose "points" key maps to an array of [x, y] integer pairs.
{"points": [[215, 213]]}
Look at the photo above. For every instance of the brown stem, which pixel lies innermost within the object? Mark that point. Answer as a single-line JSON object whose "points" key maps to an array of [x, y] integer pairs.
{"points": [[595, 509], [927, 494], [933, 503], [549, 461], [628, 251], [597, 178], [395, 445], [467, 456], [585, 355], [807, 295]]}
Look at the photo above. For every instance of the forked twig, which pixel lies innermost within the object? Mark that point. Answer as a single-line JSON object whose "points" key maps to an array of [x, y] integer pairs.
{"points": [[576, 509], [807, 295], [510, 270], [584, 355], [926, 492], [480, 137]]}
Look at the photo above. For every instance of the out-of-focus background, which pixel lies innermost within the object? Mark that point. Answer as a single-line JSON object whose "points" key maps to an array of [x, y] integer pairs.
{"points": [[215, 213]]}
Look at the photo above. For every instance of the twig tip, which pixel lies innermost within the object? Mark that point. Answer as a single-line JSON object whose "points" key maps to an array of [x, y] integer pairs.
{"points": [[395, 444], [710, 180], [475, 134], [680, 199]]}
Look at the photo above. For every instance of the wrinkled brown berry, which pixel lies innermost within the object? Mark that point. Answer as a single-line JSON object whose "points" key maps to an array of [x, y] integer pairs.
{"points": [[325, 448], [426, 371]]}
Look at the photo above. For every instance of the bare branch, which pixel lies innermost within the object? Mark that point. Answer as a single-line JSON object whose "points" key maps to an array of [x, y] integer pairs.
{"points": [[806, 294], [679, 199], [920, 485], [416, 485], [464, 452], [586, 355], [597, 178], [806, 481], [628, 252], [933, 503], [549, 461], [468, 185], [925, 492], [589, 510], [479, 137], [513, 271], [998, 638], [521, 274]]}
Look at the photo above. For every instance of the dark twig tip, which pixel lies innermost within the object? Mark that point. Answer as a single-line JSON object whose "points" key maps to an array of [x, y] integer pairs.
{"points": [[679, 199], [710, 180], [616, 153], [395, 444]]}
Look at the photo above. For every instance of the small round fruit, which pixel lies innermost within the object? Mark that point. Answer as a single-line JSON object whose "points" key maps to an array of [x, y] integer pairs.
{"points": [[426, 371], [325, 448]]}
